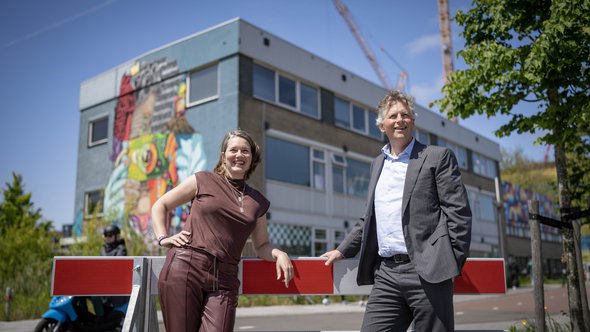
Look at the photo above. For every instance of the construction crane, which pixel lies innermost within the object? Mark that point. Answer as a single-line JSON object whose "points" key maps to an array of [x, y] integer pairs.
{"points": [[447, 47], [345, 13]]}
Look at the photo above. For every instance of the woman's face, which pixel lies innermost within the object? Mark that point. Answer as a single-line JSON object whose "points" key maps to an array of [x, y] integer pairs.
{"points": [[237, 158]]}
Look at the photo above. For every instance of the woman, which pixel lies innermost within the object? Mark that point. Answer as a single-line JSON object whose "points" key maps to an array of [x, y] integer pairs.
{"points": [[199, 283]]}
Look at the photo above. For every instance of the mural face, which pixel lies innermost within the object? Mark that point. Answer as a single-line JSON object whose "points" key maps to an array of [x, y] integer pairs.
{"points": [[154, 147]]}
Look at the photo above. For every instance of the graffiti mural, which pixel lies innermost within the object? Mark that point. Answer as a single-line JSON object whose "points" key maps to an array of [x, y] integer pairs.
{"points": [[154, 146], [517, 212]]}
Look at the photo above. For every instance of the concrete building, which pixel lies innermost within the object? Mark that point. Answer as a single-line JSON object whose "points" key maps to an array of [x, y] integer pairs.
{"points": [[154, 120]]}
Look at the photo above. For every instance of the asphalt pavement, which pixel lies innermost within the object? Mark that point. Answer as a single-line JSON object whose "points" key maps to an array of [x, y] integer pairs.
{"points": [[464, 305]]}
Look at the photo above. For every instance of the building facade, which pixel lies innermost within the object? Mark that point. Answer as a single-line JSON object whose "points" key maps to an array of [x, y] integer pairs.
{"points": [[153, 121]]}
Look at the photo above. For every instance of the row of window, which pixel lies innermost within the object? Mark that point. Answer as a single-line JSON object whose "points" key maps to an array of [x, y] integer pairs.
{"points": [[298, 96], [482, 165], [282, 90], [306, 166]]}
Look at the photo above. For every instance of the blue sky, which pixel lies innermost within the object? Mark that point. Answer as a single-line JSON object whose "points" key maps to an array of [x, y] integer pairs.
{"points": [[47, 48]]}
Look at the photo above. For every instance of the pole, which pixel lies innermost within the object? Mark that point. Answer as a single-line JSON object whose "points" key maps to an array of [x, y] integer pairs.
{"points": [[501, 225], [537, 265], [581, 275], [8, 297]]}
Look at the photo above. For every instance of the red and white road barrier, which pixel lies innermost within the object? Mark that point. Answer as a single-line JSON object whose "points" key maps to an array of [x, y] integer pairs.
{"points": [[138, 277]]}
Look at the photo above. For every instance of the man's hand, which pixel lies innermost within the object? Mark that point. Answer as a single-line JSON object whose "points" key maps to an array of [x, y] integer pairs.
{"points": [[332, 256]]}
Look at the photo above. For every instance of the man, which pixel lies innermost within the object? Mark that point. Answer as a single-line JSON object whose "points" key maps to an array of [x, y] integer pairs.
{"points": [[113, 244], [415, 235]]}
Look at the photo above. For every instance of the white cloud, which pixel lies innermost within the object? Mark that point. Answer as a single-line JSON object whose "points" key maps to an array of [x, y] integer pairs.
{"points": [[423, 44], [428, 92]]}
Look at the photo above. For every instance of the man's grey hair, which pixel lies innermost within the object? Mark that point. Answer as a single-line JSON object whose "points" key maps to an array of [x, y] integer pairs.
{"points": [[392, 97]]}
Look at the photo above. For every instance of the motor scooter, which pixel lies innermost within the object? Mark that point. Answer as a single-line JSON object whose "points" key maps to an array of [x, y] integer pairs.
{"points": [[71, 314]]}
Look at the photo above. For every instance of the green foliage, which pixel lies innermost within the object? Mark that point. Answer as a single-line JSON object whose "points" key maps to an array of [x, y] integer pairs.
{"points": [[268, 300], [551, 325], [525, 51], [27, 250]]}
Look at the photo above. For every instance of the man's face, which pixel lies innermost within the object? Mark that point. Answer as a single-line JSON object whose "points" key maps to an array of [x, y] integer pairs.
{"points": [[109, 238], [398, 124]]}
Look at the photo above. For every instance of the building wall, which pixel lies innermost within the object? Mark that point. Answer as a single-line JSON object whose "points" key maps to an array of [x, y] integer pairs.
{"points": [[152, 94]]}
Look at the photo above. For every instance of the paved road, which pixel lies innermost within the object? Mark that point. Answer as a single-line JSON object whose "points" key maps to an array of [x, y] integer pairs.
{"points": [[473, 312]]}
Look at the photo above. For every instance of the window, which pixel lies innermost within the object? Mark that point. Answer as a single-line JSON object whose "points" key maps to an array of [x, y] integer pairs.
{"points": [[309, 100], [293, 94], [203, 85], [459, 151], [357, 178], [358, 119], [98, 131], [341, 112], [296, 240], [422, 136], [373, 129], [287, 92], [319, 170], [338, 238], [486, 208], [484, 166], [92, 203], [287, 162], [264, 83], [320, 243], [338, 173], [482, 206]]}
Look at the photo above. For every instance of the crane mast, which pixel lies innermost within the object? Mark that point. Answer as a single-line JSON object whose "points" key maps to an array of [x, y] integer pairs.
{"points": [[343, 10]]}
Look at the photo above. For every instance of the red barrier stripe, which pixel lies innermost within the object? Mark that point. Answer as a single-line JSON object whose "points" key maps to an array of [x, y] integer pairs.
{"points": [[311, 277], [481, 277], [92, 277]]}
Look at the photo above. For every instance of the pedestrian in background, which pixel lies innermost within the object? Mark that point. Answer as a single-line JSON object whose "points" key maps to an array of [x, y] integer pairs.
{"points": [[416, 231], [198, 285]]}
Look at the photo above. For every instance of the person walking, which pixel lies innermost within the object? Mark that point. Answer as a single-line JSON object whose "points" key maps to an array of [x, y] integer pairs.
{"points": [[416, 231], [198, 284]]}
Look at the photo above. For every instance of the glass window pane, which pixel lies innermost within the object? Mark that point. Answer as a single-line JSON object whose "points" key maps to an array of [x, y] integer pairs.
{"points": [[341, 112], [491, 168], [486, 207], [358, 118], [320, 248], [309, 100], [264, 83], [462, 157], [357, 178], [287, 94], [93, 203], [320, 234], [319, 176], [99, 130], [296, 240], [476, 164], [338, 159], [338, 179], [317, 154], [422, 136], [203, 84], [287, 162], [373, 129]]}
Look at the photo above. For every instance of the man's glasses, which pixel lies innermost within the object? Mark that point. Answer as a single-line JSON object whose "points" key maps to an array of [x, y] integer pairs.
{"points": [[109, 235]]}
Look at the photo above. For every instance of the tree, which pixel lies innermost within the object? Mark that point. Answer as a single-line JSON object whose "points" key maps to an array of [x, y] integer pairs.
{"points": [[530, 51], [27, 249]]}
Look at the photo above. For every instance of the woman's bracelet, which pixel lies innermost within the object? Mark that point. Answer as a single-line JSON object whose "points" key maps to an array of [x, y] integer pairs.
{"points": [[162, 237]]}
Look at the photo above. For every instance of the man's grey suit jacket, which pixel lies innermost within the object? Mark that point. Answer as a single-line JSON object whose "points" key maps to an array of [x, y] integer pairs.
{"points": [[436, 218]]}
